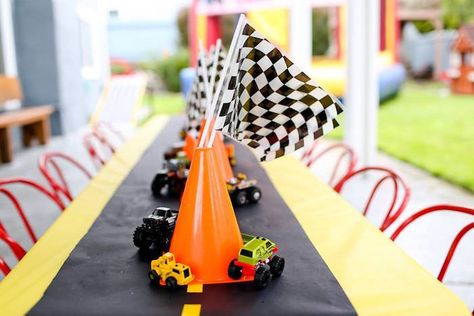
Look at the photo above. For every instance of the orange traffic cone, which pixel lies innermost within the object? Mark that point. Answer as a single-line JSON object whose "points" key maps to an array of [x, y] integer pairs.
{"points": [[206, 236], [222, 154], [190, 143], [222, 157]]}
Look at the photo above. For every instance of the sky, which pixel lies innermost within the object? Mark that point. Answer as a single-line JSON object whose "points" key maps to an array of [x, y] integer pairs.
{"points": [[157, 10]]}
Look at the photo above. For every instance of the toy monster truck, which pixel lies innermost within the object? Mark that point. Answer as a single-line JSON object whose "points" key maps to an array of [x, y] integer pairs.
{"points": [[257, 258], [169, 272], [174, 175], [172, 178], [173, 151], [157, 229], [176, 152], [243, 191]]}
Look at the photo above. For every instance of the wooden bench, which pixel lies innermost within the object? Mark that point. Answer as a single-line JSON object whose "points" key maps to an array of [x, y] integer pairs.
{"points": [[34, 121]]}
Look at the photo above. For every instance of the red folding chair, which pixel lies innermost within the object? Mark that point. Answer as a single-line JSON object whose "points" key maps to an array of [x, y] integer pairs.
{"points": [[343, 151], [60, 185], [4, 267], [457, 239], [393, 211]]}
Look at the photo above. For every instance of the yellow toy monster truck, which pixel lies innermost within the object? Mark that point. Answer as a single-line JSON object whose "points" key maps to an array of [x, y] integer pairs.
{"points": [[166, 271]]}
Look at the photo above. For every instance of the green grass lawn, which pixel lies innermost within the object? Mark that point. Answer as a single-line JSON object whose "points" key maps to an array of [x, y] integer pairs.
{"points": [[167, 103], [431, 129], [424, 126]]}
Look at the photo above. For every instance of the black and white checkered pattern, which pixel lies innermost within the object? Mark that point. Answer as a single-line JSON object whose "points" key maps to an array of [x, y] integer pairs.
{"points": [[220, 65], [270, 104], [196, 101]]}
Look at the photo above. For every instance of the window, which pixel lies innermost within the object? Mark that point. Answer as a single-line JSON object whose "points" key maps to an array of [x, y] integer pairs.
{"points": [[89, 36], [455, 59], [176, 271], [246, 253], [186, 272]]}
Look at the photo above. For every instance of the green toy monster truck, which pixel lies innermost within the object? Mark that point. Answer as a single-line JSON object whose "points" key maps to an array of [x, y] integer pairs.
{"points": [[257, 258]]}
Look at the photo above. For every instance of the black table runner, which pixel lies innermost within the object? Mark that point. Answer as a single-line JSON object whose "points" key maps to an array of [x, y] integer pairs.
{"points": [[106, 275]]}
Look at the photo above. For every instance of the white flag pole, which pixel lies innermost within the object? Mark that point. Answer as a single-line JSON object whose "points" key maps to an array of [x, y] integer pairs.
{"points": [[221, 80]]}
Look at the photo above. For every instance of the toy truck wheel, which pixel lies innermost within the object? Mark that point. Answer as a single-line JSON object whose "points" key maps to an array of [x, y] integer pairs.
{"points": [[171, 283], [232, 161], [234, 272], [165, 245], [139, 238], [240, 198], [262, 277], [255, 195], [157, 185], [154, 278], [277, 265]]}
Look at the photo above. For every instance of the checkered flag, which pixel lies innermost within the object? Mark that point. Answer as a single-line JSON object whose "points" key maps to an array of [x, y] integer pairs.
{"points": [[219, 67], [196, 101], [267, 102]]}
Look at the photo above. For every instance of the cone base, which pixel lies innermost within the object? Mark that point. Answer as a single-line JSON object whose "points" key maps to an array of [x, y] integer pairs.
{"points": [[229, 280]]}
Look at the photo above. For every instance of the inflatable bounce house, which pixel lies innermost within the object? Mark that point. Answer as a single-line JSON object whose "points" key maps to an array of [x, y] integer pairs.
{"points": [[273, 19]]}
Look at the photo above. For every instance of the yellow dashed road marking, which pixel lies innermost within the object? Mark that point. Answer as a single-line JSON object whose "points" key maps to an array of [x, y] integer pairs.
{"points": [[191, 310], [195, 288]]}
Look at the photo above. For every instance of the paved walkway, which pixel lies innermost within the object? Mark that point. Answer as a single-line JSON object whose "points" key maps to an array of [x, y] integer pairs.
{"points": [[427, 241]]}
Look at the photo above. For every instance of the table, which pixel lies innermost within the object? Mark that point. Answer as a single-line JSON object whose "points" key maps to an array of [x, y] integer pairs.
{"points": [[337, 262]]}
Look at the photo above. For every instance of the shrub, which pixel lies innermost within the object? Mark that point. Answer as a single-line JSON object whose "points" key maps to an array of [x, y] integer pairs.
{"points": [[168, 68]]}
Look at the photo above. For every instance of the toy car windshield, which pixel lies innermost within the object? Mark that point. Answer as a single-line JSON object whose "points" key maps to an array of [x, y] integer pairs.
{"points": [[160, 212], [246, 253], [186, 272]]}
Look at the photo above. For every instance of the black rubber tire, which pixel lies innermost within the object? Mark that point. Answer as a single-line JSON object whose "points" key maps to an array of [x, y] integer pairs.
{"points": [[179, 187], [277, 265], [139, 239], [240, 198], [171, 283], [165, 245], [255, 194], [169, 155], [262, 277], [154, 277], [234, 272], [158, 183]]}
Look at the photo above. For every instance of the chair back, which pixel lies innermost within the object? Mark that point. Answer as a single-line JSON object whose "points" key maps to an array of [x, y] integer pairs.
{"points": [[340, 150], [457, 239], [35, 185], [401, 192], [56, 179], [98, 148], [14, 246], [20, 212], [4, 267]]}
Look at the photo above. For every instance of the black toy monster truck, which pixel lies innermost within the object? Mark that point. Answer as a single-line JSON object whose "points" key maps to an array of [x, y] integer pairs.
{"points": [[170, 179], [157, 229]]}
